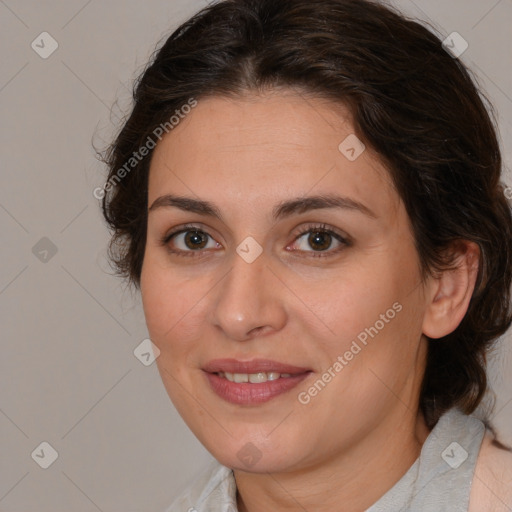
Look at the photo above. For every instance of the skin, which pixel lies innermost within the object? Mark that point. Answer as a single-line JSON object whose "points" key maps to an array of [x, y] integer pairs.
{"points": [[363, 430]]}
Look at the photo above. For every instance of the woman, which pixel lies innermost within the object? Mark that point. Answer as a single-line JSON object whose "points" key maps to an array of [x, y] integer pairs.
{"points": [[307, 194]]}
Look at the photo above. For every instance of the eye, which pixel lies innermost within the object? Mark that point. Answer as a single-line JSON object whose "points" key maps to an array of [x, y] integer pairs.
{"points": [[191, 240], [188, 239], [320, 239]]}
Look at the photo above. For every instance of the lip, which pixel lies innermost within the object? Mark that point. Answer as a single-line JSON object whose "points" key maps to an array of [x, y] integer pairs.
{"points": [[252, 366], [246, 393]]}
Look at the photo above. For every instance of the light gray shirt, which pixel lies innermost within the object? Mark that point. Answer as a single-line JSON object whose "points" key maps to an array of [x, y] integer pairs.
{"points": [[438, 481]]}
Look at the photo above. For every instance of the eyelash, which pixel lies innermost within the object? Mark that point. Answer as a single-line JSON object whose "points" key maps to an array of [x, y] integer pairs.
{"points": [[321, 228]]}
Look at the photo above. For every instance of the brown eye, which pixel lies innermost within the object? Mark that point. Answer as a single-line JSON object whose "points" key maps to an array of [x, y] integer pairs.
{"points": [[195, 239], [319, 240], [188, 240]]}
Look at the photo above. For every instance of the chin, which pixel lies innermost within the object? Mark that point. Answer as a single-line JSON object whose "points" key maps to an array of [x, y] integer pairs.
{"points": [[248, 451], [253, 460]]}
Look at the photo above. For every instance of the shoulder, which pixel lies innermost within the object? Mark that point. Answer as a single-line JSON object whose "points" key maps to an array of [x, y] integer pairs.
{"points": [[491, 490]]}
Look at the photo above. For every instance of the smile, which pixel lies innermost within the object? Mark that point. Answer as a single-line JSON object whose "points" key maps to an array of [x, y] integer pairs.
{"points": [[259, 383], [253, 378]]}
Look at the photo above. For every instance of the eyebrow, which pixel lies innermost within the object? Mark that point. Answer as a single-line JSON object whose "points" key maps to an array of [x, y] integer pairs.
{"points": [[281, 210]]}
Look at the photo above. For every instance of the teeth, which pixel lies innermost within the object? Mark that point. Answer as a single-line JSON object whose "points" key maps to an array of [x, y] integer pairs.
{"points": [[258, 377], [254, 378]]}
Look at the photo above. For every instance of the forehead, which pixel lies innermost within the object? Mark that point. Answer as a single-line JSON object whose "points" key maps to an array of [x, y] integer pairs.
{"points": [[277, 145]]}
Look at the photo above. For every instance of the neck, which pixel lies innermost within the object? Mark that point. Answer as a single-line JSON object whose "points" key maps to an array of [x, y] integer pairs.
{"points": [[357, 477]]}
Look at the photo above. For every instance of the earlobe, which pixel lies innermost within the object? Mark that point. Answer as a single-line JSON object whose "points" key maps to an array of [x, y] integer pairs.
{"points": [[449, 293]]}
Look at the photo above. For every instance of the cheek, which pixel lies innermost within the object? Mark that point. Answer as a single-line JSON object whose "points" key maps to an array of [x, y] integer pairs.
{"points": [[160, 298], [349, 304], [374, 314], [157, 301], [173, 306]]}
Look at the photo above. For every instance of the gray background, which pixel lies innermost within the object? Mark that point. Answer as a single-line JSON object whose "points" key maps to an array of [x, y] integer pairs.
{"points": [[68, 374]]}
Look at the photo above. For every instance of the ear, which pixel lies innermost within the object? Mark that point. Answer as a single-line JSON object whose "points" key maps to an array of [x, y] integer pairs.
{"points": [[449, 293]]}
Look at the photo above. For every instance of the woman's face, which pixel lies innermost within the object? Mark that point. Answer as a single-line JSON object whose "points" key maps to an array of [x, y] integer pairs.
{"points": [[296, 250]]}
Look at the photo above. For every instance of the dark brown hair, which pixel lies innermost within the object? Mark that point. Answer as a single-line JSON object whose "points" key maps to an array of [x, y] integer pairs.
{"points": [[412, 102]]}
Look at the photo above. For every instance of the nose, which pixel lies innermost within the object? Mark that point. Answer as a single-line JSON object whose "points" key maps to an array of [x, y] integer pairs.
{"points": [[249, 301]]}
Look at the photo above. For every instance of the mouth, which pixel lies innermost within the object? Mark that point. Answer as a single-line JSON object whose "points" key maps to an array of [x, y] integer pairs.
{"points": [[252, 382], [253, 378]]}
